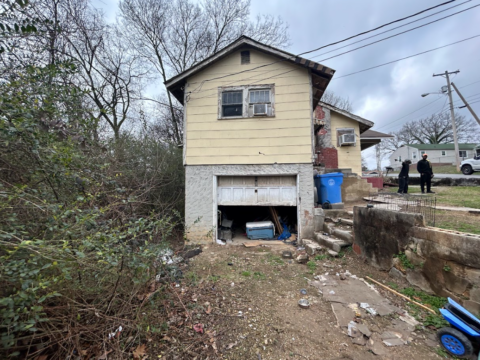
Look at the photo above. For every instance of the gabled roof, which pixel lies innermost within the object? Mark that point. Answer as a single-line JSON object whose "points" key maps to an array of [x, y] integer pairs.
{"points": [[320, 74], [364, 123], [442, 146]]}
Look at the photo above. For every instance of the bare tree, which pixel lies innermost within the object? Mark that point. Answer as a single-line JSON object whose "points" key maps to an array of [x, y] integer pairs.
{"points": [[338, 101], [110, 71], [435, 129], [174, 35]]}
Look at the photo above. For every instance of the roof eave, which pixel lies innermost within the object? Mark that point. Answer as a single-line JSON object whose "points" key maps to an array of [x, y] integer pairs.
{"points": [[364, 124], [320, 74]]}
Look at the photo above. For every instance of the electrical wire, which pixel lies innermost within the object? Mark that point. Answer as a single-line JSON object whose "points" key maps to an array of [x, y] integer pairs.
{"points": [[404, 58], [386, 31], [400, 33], [324, 46]]}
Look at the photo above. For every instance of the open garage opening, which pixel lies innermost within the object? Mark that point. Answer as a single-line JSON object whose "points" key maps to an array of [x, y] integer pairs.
{"points": [[232, 221]]}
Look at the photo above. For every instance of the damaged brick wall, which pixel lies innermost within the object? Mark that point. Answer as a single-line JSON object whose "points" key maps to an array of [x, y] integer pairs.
{"points": [[326, 153], [439, 261]]}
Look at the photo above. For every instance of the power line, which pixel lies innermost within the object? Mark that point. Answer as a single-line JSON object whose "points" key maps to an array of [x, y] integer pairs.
{"points": [[400, 33], [324, 46], [386, 31], [377, 28], [407, 57], [414, 111]]}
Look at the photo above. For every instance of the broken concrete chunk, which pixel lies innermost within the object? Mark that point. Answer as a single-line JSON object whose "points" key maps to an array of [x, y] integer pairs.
{"points": [[332, 253], [302, 258], [353, 330], [376, 347], [364, 330], [389, 335], [359, 341], [287, 255], [394, 342], [395, 273], [409, 319]]}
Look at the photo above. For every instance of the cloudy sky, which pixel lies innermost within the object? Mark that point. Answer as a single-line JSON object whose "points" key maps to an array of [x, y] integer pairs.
{"points": [[390, 95]]}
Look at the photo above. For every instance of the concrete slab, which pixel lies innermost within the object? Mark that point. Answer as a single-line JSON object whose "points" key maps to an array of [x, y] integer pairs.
{"points": [[356, 291], [343, 314]]}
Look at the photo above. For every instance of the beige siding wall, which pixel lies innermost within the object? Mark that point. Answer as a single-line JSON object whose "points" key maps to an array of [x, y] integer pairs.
{"points": [[285, 138], [348, 156]]}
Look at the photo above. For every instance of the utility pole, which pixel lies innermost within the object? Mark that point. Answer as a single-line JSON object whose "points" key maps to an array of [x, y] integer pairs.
{"points": [[466, 104], [454, 127]]}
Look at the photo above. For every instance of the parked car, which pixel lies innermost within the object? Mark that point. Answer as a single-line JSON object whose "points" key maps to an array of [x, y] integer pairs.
{"points": [[469, 166]]}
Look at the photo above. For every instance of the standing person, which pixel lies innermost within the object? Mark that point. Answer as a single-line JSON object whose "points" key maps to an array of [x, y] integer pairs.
{"points": [[424, 167], [403, 177]]}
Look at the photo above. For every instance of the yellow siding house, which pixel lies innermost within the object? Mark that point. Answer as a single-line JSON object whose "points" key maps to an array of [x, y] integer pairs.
{"points": [[249, 138]]}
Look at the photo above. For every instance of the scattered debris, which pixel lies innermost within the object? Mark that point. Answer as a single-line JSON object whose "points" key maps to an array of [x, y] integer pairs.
{"points": [[287, 255], [409, 319], [302, 258], [304, 303], [353, 330], [198, 328], [220, 242], [364, 330], [394, 342], [112, 335], [303, 291]]}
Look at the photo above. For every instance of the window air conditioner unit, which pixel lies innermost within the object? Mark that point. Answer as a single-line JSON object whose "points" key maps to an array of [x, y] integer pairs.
{"points": [[347, 139], [260, 109]]}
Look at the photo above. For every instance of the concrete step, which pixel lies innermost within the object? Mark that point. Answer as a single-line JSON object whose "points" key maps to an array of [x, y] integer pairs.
{"points": [[331, 229], [331, 242]]}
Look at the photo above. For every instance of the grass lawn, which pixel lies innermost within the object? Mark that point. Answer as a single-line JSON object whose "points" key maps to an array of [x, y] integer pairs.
{"points": [[459, 221], [468, 196], [437, 169]]}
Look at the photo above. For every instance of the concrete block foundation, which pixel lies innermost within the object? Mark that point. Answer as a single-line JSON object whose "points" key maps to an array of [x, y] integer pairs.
{"points": [[200, 201]]}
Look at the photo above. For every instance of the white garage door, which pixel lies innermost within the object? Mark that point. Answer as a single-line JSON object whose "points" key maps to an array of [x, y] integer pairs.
{"points": [[257, 190]]}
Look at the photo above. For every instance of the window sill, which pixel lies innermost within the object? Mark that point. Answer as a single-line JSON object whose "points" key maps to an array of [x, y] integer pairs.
{"points": [[245, 117]]}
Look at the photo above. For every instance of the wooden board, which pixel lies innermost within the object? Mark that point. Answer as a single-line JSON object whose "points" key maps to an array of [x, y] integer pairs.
{"points": [[262, 242]]}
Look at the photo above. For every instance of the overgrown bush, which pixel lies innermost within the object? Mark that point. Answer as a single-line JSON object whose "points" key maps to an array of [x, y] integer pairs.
{"points": [[82, 224]]}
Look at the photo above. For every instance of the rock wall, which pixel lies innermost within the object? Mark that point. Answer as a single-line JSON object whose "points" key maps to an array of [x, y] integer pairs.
{"points": [[438, 261]]}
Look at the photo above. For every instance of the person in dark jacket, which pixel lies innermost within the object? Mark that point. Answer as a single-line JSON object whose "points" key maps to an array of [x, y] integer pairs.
{"points": [[403, 177], [426, 174]]}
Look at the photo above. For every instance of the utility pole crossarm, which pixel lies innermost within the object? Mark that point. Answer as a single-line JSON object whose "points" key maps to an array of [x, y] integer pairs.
{"points": [[466, 104]]}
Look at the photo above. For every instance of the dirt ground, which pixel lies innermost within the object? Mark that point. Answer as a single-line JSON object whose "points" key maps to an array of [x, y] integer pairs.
{"points": [[255, 314]]}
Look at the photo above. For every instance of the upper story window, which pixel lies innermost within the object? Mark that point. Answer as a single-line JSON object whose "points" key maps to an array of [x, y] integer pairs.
{"points": [[444, 153], [246, 101], [232, 103], [462, 153], [245, 57]]}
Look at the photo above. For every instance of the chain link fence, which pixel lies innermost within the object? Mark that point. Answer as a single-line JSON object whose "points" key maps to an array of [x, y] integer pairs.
{"points": [[406, 203]]}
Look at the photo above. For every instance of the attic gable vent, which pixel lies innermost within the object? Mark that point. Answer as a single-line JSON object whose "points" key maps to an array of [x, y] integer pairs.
{"points": [[245, 57]]}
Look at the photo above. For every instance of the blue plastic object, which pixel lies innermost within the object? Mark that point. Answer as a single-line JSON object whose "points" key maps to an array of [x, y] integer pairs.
{"points": [[453, 345], [329, 187], [260, 230], [458, 323]]}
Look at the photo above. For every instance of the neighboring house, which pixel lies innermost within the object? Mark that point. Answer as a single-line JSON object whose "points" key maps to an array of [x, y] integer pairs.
{"points": [[249, 135], [437, 153], [340, 137]]}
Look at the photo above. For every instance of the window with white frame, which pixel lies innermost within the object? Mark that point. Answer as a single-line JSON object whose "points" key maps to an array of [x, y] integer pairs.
{"points": [[422, 153], [462, 153], [246, 101], [399, 158], [414, 155], [444, 153], [232, 103]]}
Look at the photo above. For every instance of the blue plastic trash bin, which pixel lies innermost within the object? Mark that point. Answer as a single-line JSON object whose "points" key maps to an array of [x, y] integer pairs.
{"points": [[329, 187]]}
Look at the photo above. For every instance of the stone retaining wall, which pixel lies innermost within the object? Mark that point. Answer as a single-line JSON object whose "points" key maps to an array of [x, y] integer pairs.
{"points": [[438, 261]]}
